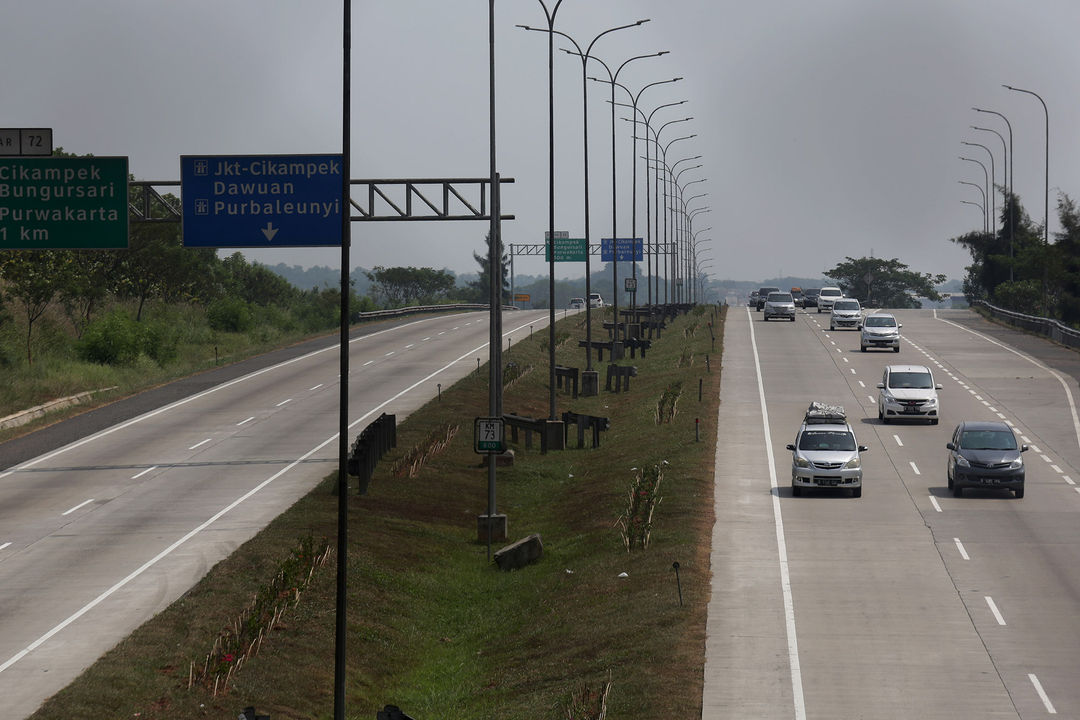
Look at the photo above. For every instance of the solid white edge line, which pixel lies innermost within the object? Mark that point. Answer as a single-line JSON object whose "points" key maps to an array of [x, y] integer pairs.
{"points": [[960, 547], [778, 518], [139, 475], [218, 515], [1036, 363], [934, 502], [1042, 694], [84, 503], [196, 396], [994, 610]]}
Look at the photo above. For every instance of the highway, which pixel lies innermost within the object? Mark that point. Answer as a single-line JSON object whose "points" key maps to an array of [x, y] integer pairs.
{"points": [[99, 535], [908, 602]]}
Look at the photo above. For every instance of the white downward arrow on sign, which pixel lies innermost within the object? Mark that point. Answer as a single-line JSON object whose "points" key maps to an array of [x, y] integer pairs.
{"points": [[269, 231]]}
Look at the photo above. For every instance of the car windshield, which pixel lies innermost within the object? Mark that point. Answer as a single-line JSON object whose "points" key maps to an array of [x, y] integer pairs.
{"points": [[987, 440], [880, 321], [846, 305], [830, 293], [779, 297], [826, 440], [915, 380]]}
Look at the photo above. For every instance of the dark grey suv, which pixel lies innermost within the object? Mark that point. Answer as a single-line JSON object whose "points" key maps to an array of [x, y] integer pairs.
{"points": [[985, 455]]}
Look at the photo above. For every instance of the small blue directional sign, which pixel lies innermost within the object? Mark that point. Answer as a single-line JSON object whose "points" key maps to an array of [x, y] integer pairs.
{"points": [[246, 201], [629, 249]]}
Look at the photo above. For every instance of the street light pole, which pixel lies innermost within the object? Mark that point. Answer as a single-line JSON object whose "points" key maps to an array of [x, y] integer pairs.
{"points": [[1009, 201], [993, 180], [1046, 196], [983, 194], [986, 179]]}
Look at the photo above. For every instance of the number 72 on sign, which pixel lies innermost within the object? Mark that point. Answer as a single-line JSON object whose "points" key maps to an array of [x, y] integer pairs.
{"points": [[489, 435]]}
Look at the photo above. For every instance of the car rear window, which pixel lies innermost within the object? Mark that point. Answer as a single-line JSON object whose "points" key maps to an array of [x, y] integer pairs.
{"points": [[779, 297], [826, 440], [911, 380], [827, 292], [846, 305]]}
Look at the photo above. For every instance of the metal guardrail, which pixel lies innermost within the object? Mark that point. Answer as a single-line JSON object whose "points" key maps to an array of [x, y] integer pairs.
{"points": [[1044, 326], [399, 312]]}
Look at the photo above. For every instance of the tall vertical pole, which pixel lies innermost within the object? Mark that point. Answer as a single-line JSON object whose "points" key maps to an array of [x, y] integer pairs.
{"points": [[495, 277], [1046, 199], [340, 620], [614, 225]]}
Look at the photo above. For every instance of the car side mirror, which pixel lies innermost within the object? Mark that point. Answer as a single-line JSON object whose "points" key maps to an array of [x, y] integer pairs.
{"points": [[950, 446], [864, 448], [938, 386], [881, 386], [900, 325], [792, 447], [1024, 448]]}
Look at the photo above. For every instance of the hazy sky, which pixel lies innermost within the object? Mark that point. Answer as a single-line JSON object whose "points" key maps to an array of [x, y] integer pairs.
{"points": [[827, 129]]}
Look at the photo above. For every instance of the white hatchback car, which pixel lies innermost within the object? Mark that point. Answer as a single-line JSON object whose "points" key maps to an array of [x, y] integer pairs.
{"points": [[908, 392], [595, 300]]}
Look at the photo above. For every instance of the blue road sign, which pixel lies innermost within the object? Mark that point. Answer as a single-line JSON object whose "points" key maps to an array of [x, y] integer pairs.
{"points": [[248, 201], [629, 249]]}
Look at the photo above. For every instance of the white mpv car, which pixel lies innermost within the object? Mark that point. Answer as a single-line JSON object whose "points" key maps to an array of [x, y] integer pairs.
{"points": [[908, 392], [827, 297]]}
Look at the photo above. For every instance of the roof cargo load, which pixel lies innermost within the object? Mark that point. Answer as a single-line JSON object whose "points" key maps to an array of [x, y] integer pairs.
{"points": [[820, 412]]}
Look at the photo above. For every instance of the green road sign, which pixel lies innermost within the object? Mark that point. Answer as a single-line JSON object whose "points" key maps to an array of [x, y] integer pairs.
{"points": [[50, 203], [567, 250]]}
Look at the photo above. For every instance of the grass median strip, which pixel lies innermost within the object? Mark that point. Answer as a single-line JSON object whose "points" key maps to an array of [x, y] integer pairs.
{"points": [[433, 626]]}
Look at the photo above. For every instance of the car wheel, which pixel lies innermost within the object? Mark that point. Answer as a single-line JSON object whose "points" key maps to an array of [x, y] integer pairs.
{"points": [[934, 421], [957, 491], [896, 349], [792, 318], [796, 491], [856, 492], [819, 311], [832, 327], [863, 348], [880, 414], [1019, 492], [948, 479]]}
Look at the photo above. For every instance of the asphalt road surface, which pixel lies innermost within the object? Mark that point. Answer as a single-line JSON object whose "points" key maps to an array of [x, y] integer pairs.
{"points": [[908, 602], [106, 521]]}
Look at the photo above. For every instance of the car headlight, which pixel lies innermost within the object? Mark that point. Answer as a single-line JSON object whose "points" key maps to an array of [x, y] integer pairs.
{"points": [[801, 462], [1016, 464], [887, 397], [962, 461], [930, 401], [853, 463]]}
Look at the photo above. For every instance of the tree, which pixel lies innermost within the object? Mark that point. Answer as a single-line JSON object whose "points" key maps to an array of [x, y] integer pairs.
{"points": [[1066, 262], [407, 285], [998, 258], [480, 289], [884, 283], [31, 278]]}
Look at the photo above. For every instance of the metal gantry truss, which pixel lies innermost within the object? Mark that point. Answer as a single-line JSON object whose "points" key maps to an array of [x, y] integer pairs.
{"points": [[594, 249], [420, 199]]}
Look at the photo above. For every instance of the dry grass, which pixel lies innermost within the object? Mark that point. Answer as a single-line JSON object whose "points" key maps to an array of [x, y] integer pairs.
{"points": [[433, 627]]}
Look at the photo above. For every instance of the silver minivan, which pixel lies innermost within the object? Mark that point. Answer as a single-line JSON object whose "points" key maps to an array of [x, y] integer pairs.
{"points": [[825, 453], [908, 392]]}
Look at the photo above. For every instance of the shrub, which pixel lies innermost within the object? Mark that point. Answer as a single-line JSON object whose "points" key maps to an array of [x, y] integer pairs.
{"points": [[115, 339], [229, 315]]}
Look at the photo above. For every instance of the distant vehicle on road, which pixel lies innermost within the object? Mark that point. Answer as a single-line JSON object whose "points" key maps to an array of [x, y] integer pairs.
{"points": [[846, 313], [825, 453], [577, 304], [985, 455], [880, 330], [827, 296], [908, 392], [751, 300], [763, 295], [595, 300], [780, 305], [810, 297], [797, 296]]}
